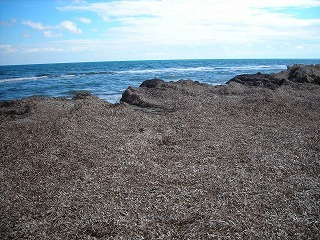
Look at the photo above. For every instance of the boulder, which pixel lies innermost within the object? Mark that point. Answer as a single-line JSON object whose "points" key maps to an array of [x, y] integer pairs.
{"points": [[152, 83], [134, 97]]}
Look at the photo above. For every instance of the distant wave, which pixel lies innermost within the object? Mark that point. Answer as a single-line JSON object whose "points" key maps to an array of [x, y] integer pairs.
{"points": [[150, 71], [202, 69], [257, 67], [98, 73], [164, 70], [22, 79], [68, 75]]}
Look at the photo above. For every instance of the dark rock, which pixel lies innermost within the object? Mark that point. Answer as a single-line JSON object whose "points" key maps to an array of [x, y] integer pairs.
{"points": [[130, 96], [155, 93], [14, 108], [139, 96], [169, 96], [234, 88], [7, 104], [135, 97], [304, 73], [294, 74], [257, 80], [81, 95], [190, 82], [152, 83]]}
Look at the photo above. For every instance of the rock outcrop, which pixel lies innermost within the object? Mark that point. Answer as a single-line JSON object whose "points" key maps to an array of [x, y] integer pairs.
{"points": [[153, 83], [155, 93], [294, 74], [258, 80], [304, 73]]}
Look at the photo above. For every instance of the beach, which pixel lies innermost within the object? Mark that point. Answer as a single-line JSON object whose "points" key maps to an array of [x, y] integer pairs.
{"points": [[172, 160]]}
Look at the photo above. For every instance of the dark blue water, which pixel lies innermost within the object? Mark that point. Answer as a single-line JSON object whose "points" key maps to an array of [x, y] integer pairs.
{"points": [[108, 80]]}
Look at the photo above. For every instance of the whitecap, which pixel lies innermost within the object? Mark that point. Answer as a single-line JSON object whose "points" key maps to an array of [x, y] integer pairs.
{"points": [[167, 70], [22, 79]]}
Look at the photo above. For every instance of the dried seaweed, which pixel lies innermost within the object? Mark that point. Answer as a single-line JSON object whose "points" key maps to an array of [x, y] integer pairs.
{"points": [[227, 162]]}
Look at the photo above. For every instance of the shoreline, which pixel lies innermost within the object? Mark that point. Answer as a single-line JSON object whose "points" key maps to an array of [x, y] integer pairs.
{"points": [[103, 79], [172, 160]]}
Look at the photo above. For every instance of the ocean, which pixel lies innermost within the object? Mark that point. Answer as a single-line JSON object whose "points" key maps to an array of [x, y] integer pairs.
{"points": [[108, 80]]}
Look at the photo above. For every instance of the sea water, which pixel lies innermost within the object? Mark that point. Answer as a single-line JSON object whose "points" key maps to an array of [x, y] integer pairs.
{"points": [[108, 80]]}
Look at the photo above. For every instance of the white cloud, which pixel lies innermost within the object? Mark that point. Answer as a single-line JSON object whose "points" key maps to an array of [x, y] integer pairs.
{"points": [[149, 29], [50, 34], [78, 49], [70, 26], [47, 34], [203, 21], [7, 49], [85, 20], [65, 25], [279, 4], [164, 8], [44, 49], [80, 41], [36, 25]]}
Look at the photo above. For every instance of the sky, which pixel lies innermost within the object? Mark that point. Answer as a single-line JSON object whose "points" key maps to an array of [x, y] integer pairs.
{"points": [[53, 31]]}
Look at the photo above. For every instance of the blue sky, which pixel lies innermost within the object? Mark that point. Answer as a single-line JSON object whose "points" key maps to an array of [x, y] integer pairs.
{"points": [[49, 31]]}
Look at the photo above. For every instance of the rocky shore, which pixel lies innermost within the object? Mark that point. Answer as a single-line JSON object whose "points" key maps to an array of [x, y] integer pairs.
{"points": [[173, 160]]}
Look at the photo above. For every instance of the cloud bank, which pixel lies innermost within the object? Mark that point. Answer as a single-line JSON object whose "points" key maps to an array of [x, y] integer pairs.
{"points": [[204, 21]]}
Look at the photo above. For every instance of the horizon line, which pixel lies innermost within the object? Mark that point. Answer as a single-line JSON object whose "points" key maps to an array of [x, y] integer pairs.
{"points": [[176, 59]]}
